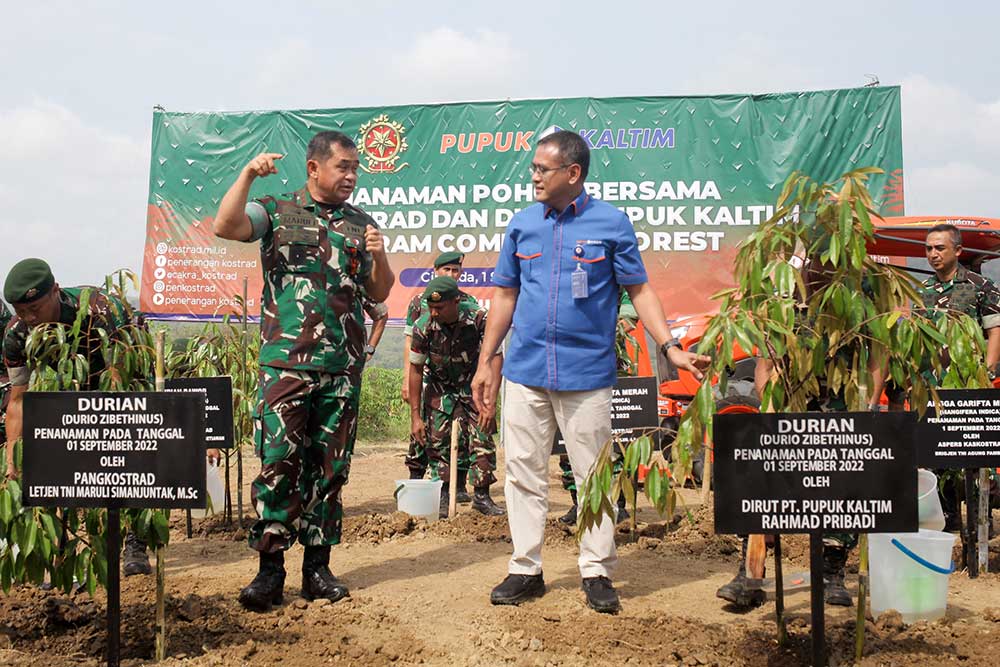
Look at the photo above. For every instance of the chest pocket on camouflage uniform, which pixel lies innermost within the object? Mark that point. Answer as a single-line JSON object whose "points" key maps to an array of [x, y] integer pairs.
{"points": [[297, 241], [963, 299]]}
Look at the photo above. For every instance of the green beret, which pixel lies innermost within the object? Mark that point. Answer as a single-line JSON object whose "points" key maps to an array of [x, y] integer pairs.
{"points": [[28, 281], [446, 258], [441, 289]]}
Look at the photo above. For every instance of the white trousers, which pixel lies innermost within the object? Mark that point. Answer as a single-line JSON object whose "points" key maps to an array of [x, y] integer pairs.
{"points": [[530, 418]]}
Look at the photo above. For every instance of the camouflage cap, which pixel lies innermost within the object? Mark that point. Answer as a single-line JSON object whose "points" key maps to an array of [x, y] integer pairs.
{"points": [[29, 280], [441, 289], [446, 258]]}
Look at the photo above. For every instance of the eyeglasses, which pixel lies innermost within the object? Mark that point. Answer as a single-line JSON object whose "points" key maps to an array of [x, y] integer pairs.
{"points": [[542, 171]]}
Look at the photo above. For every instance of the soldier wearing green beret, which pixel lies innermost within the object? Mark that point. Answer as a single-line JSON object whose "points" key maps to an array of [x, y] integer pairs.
{"points": [[37, 299], [444, 353], [446, 264], [4, 380], [320, 256]]}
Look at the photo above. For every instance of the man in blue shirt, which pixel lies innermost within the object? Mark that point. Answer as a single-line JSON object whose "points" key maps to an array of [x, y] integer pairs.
{"points": [[556, 284]]}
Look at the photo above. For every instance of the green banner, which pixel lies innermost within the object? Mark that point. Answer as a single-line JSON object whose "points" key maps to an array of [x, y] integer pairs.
{"points": [[694, 174]]}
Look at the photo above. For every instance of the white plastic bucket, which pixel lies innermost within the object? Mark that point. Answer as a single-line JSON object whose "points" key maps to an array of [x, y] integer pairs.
{"points": [[909, 573], [929, 501], [419, 497], [215, 492]]}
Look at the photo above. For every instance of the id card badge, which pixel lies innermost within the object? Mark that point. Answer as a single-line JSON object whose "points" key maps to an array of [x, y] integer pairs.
{"points": [[580, 283]]}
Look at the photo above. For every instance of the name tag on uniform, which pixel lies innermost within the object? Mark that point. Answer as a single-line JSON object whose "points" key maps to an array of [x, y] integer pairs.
{"points": [[580, 290], [349, 226], [302, 219]]}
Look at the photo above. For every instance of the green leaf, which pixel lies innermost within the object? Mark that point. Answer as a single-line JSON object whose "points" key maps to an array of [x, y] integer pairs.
{"points": [[161, 525]]}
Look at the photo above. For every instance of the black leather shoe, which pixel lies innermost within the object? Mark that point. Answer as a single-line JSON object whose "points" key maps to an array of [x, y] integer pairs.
{"points": [[601, 595], [462, 496], [268, 587], [135, 560], [517, 588], [483, 504], [317, 580], [569, 518]]}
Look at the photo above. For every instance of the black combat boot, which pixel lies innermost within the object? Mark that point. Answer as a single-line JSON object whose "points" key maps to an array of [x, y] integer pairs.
{"points": [[445, 497], [416, 474], [622, 514], [569, 517], [462, 496], [483, 504], [317, 580], [268, 587], [737, 591], [834, 564], [135, 560]]}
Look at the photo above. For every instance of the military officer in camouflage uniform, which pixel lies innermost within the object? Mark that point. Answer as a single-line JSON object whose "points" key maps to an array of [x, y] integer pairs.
{"points": [[4, 380], [319, 256], [954, 287], [447, 264], [446, 340], [37, 299]]}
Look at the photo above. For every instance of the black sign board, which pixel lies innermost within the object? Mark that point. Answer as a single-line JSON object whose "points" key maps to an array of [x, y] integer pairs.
{"points": [[218, 393], [964, 434], [852, 472], [633, 407], [102, 449]]}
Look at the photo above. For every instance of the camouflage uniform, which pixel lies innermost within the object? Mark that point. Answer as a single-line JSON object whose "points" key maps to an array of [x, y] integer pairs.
{"points": [[449, 354], [979, 298], [416, 455], [311, 358], [106, 313], [626, 311], [4, 380], [966, 292]]}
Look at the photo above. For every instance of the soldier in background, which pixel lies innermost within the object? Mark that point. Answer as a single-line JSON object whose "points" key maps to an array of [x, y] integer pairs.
{"points": [[957, 288], [4, 379], [320, 256], [446, 342], [446, 264], [38, 299]]}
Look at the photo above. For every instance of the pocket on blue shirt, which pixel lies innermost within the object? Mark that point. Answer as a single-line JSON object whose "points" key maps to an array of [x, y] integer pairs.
{"points": [[528, 257], [595, 260]]}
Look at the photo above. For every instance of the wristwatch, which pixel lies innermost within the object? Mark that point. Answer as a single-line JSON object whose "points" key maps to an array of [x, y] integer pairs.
{"points": [[673, 342], [369, 349]]}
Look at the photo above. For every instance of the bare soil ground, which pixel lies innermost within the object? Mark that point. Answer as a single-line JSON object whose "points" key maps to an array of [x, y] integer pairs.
{"points": [[420, 595]]}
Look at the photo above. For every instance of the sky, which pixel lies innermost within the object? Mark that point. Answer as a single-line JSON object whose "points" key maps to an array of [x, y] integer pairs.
{"points": [[80, 80]]}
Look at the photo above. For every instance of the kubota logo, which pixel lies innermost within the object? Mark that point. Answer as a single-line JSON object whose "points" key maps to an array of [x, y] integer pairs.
{"points": [[382, 143], [501, 142]]}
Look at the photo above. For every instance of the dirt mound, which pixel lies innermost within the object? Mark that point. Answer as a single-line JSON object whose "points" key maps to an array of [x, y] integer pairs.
{"points": [[471, 526], [375, 528], [211, 630], [215, 525]]}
